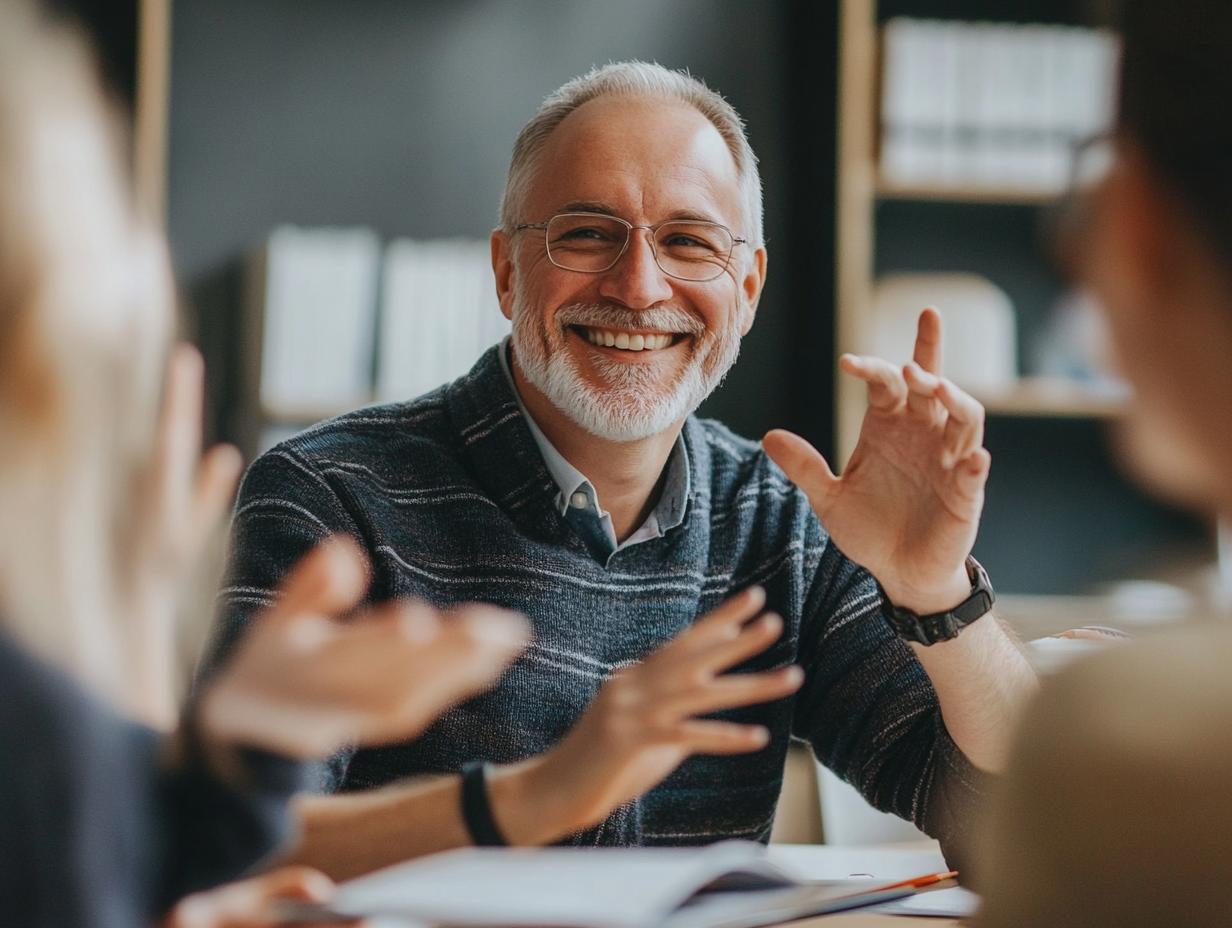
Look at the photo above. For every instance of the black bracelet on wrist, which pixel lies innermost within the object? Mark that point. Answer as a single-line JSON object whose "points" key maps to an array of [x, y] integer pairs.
{"points": [[476, 811]]}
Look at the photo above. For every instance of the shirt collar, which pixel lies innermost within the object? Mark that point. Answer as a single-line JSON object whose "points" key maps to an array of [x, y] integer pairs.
{"points": [[669, 511]]}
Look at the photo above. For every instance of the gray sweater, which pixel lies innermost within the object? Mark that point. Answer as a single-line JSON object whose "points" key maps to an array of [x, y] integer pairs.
{"points": [[451, 499]]}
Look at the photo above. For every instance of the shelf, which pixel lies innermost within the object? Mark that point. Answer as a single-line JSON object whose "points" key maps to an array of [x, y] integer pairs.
{"points": [[966, 193], [1053, 397]]}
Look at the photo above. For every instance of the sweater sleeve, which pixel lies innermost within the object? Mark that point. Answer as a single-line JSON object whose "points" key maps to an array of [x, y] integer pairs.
{"points": [[208, 830], [285, 508], [870, 711]]}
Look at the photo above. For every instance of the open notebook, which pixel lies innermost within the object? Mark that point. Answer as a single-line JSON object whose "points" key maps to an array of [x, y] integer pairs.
{"points": [[727, 885]]}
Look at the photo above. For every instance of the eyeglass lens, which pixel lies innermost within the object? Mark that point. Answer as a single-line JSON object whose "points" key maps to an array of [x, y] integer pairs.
{"points": [[690, 250]]}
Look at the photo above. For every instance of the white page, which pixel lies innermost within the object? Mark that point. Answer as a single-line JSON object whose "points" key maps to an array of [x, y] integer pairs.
{"points": [[601, 887], [769, 907], [954, 902], [834, 862]]}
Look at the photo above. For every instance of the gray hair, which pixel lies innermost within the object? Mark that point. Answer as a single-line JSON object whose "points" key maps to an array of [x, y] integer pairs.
{"points": [[633, 79]]}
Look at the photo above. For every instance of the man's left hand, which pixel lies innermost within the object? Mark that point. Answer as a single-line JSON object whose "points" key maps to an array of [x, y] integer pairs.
{"points": [[908, 504]]}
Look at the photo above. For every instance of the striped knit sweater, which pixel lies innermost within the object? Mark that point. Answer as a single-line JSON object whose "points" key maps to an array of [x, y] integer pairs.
{"points": [[452, 501]]}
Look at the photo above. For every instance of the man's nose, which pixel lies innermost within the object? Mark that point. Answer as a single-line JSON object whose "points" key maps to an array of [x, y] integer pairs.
{"points": [[636, 280]]}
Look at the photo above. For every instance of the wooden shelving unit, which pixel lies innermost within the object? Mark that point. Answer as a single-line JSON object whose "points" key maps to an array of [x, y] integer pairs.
{"points": [[1053, 396], [1060, 515], [150, 118], [1002, 196], [853, 273], [861, 189]]}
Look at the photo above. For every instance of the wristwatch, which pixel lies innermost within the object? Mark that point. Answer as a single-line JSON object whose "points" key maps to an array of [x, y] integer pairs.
{"points": [[942, 626]]}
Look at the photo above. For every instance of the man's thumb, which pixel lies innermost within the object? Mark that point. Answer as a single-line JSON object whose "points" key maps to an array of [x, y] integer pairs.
{"points": [[804, 465]]}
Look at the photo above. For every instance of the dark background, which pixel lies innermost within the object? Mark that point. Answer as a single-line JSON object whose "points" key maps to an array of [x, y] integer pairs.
{"points": [[401, 115]]}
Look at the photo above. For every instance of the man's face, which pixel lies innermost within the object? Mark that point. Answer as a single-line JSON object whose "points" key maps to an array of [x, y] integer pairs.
{"points": [[644, 161]]}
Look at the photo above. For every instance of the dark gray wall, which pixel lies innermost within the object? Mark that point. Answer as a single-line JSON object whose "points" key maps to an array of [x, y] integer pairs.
{"points": [[401, 116]]}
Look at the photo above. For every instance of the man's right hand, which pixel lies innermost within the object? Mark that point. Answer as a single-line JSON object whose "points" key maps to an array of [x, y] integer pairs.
{"points": [[304, 684], [644, 723]]}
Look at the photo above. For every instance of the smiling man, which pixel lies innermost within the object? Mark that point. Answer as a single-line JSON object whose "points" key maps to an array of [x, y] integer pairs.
{"points": [[565, 477]]}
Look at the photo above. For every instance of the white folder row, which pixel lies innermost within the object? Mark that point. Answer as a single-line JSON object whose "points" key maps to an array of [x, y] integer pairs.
{"points": [[343, 321], [316, 292], [439, 312], [985, 104]]}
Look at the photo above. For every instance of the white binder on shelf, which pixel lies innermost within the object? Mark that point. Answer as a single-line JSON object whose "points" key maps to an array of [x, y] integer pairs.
{"points": [[314, 292], [439, 312], [971, 105]]}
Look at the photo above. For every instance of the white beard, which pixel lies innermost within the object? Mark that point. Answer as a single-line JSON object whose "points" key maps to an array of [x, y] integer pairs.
{"points": [[633, 404]]}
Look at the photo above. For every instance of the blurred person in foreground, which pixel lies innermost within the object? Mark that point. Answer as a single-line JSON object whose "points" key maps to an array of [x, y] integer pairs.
{"points": [[1116, 811], [105, 821], [567, 478]]}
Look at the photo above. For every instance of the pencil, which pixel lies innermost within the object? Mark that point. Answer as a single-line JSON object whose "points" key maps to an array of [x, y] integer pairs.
{"points": [[919, 882]]}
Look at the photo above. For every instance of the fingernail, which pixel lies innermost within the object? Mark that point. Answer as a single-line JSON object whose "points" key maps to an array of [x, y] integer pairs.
{"points": [[497, 626], [794, 675], [760, 735]]}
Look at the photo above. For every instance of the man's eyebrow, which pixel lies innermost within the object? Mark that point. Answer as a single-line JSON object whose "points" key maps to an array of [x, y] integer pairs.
{"points": [[589, 206], [606, 209], [691, 214]]}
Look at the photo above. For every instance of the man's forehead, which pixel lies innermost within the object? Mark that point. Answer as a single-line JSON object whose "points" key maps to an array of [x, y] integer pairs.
{"points": [[616, 153]]}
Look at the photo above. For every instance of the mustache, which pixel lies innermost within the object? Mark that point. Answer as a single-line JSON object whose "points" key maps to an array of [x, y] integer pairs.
{"points": [[606, 315]]}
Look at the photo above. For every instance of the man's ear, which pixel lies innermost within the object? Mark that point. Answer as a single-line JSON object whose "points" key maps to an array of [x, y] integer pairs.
{"points": [[751, 285], [503, 270]]}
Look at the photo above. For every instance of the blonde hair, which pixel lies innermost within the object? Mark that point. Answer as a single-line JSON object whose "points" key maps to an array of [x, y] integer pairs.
{"points": [[632, 79], [84, 324]]}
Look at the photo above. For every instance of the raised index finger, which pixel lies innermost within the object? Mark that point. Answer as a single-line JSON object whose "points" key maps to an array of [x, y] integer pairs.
{"points": [[928, 341]]}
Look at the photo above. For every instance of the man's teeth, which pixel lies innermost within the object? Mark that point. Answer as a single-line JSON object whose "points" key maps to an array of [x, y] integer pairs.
{"points": [[628, 342]]}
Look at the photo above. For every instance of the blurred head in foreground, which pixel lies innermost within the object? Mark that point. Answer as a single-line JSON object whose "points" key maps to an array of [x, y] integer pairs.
{"points": [[1158, 253], [84, 322], [1117, 808]]}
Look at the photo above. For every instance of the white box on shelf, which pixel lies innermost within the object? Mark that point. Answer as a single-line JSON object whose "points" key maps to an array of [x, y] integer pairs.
{"points": [[980, 346]]}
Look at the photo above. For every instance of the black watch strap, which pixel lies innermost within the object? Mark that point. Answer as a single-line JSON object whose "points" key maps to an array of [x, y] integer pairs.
{"points": [[942, 626], [476, 810]]}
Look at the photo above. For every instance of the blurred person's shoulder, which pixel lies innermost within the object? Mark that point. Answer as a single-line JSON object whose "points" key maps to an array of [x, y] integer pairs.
{"points": [[1168, 677], [56, 740], [38, 703], [1116, 808]]}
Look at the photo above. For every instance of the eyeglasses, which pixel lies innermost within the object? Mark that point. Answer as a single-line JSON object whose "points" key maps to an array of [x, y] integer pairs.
{"points": [[591, 243]]}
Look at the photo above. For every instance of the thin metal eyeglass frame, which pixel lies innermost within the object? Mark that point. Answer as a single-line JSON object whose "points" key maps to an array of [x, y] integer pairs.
{"points": [[629, 227]]}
